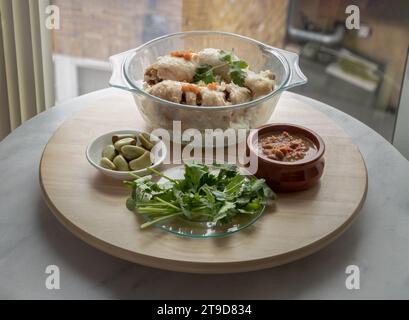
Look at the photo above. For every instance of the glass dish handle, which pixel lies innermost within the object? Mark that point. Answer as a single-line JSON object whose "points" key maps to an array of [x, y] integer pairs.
{"points": [[117, 79], [297, 77]]}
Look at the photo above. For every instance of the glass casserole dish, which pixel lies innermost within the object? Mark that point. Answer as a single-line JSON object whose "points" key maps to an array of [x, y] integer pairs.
{"points": [[128, 73]]}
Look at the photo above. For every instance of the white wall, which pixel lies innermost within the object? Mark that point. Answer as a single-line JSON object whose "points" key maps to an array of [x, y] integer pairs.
{"points": [[76, 76]]}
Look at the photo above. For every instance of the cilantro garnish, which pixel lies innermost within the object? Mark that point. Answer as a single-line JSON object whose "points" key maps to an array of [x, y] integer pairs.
{"points": [[236, 67], [226, 56], [237, 71], [204, 73]]}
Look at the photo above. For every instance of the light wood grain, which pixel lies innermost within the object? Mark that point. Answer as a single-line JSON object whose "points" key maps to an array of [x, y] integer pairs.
{"points": [[92, 206]]}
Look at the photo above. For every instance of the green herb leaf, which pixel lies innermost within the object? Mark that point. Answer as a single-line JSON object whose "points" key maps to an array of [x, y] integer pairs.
{"points": [[239, 64], [226, 56], [203, 195], [226, 207], [204, 73], [130, 204], [234, 185], [236, 72], [238, 76]]}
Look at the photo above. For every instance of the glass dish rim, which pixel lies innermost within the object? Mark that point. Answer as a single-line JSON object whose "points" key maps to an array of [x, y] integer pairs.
{"points": [[272, 50], [215, 235]]}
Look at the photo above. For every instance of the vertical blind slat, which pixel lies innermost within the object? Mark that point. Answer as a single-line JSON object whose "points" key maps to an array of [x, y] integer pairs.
{"points": [[4, 103], [26, 64], [47, 57], [37, 55], [24, 54], [10, 62]]}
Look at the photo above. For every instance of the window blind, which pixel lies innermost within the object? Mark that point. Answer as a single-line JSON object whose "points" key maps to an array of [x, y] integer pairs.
{"points": [[26, 79]]}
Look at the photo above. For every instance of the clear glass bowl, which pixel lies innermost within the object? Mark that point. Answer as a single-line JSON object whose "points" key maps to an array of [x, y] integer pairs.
{"points": [[128, 72]]}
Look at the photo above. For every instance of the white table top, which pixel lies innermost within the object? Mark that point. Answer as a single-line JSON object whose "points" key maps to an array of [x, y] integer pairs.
{"points": [[31, 238]]}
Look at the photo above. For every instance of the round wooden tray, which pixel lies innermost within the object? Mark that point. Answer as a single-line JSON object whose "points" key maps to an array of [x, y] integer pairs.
{"points": [[92, 206]]}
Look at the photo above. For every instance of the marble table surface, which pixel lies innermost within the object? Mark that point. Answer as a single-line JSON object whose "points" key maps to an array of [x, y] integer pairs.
{"points": [[31, 238]]}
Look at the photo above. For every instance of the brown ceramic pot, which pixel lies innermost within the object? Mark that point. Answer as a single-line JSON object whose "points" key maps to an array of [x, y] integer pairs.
{"points": [[287, 176]]}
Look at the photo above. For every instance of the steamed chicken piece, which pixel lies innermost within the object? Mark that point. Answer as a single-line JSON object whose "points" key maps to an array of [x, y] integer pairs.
{"points": [[191, 98], [170, 68], [238, 94], [190, 94], [168, 90], [259, 84], [171, 78], [211, 97], [175, 91], [209, 56]]}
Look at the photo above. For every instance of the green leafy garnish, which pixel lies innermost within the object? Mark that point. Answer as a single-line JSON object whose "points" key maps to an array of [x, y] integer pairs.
{"points": [[236, 67], [204, 194], [237, 71], [237, 75], [226, 56], [204, 73], [240, 64]]}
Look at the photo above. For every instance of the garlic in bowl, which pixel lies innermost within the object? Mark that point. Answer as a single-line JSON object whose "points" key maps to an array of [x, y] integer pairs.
{"points": [[118, 153]]}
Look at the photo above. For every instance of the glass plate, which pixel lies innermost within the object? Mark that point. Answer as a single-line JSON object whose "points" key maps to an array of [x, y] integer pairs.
{"points": [[195, 229]]}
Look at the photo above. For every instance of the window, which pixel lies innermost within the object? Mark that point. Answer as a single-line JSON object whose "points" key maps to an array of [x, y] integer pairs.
{"points": [[357, 71]]}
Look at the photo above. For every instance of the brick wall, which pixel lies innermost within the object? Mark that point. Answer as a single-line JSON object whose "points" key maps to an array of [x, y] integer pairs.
{"points": [[99, 28]]}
